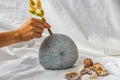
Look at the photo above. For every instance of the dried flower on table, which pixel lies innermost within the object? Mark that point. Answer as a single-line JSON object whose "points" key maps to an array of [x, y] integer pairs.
{"points": [[87, 66], [75, 73], [88, 63], [93, 69], [99, 69], [72, 76], [93, 75]]}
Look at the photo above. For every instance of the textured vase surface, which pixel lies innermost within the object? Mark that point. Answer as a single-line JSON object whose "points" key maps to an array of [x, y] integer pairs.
{"points": [[57, 52]]}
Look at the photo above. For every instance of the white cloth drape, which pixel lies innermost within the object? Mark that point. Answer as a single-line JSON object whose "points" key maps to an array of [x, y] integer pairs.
{"points": [[92, 24]]}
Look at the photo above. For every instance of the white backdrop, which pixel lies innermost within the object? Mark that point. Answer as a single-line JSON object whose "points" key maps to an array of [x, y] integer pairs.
{"points": [[92, 24]]}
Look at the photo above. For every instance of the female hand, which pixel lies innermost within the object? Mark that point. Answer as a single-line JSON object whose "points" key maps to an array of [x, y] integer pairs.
{"points": [[33, 28]]}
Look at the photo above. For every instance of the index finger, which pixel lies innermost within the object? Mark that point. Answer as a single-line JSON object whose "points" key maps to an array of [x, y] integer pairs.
{"points": [[42, 22]]}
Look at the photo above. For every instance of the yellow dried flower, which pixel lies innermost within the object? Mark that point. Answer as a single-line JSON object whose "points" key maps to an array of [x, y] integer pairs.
{"points": [[32, 11], [31, 6], [38, 14], [43, 19], [42, 12], [32, 2], [38, 4]]}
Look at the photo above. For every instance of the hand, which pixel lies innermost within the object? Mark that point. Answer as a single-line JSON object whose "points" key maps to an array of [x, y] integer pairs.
{"points": [[33, 28]]}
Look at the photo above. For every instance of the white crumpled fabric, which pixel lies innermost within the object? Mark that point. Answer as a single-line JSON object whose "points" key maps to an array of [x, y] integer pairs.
{"points": [[92, 24]]}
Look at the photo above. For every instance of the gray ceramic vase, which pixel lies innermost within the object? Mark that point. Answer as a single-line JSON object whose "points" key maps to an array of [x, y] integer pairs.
{"points": [[58, 52]]}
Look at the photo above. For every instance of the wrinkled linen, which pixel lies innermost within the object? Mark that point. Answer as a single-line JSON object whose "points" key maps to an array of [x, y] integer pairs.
{"points": [[92, 24]]}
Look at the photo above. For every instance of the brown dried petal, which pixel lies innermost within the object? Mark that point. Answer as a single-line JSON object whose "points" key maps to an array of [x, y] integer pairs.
{"points": [[88, 62]]}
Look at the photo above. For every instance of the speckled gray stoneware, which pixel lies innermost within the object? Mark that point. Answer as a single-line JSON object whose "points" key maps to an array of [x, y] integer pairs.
{"points": [[58, 52]]}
